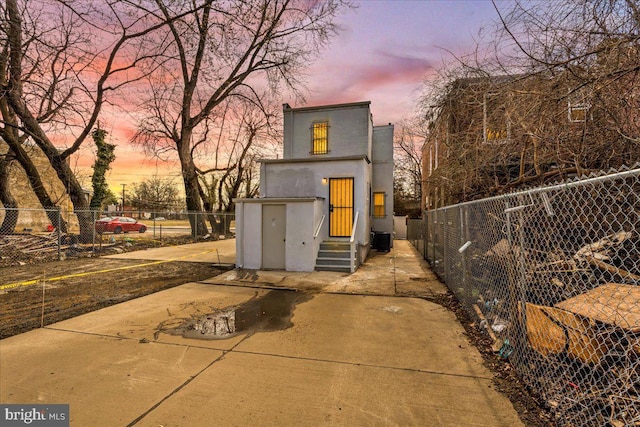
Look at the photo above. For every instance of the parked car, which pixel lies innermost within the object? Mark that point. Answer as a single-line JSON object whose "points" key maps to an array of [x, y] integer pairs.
{"points": [[119, 224]]}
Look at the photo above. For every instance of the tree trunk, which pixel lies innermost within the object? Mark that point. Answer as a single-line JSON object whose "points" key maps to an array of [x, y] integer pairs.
{"points": [[58, 163], [208, 207], [17, 152], [75, 191], [104, 157], [36, 184], [6, 198], [19, 108], [191, 189]]}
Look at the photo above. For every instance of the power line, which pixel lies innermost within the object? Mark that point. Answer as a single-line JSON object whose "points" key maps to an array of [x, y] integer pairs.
{"points": [[174, 175]]}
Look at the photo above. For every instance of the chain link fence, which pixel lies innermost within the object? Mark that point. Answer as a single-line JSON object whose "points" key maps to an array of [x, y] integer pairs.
{"points": [[30, 236], [553, 276]]}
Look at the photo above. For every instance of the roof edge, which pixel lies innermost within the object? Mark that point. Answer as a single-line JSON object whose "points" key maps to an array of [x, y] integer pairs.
{"points": [[287, 107], [316, 159]]}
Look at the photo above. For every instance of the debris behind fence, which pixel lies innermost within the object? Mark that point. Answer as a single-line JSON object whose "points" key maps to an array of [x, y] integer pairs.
{"points": [[553, 275], [40, 235]]}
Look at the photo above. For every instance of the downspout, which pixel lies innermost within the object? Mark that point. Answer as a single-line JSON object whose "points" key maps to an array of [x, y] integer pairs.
{"points": [[239, 234], [263, 179]]}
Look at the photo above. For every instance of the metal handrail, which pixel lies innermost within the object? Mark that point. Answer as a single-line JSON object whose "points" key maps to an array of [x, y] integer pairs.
{"points": [[319, 227], [352, 244], [355, 225]]}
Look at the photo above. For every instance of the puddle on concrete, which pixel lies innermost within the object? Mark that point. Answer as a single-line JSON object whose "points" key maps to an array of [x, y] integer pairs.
{"points": [[269, 312]]}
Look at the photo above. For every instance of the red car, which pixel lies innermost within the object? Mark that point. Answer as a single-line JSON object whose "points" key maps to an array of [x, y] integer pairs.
{"points": [[119, 224]]}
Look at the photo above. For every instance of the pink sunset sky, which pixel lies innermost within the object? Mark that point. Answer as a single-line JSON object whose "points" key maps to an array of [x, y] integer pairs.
{"points": [[383, 54]]}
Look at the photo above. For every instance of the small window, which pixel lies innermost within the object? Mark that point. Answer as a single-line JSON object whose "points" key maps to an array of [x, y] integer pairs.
{"points": [[496, 123], [578, 106], [431, 160], [578, 112], [320, 138], [378, 205]]}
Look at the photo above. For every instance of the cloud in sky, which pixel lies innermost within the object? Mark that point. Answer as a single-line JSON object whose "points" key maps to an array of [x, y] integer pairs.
{"points": [[386, 69], [384, 72], [384, 53], [388, 48]]}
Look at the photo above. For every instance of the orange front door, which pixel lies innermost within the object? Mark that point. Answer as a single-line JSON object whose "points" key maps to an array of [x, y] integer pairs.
{"points": [[340, 207]]}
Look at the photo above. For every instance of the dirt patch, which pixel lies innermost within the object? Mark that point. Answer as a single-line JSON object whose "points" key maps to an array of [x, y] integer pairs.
{"points": [[24, 249], [66, 289], [528, 405]]}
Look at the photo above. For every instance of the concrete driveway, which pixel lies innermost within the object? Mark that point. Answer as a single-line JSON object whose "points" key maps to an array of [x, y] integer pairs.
{"points": [[215, 252], [345, 356]]}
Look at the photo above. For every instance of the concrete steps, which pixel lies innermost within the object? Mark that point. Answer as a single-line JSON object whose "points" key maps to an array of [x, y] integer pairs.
{"points": [[334, 255]]}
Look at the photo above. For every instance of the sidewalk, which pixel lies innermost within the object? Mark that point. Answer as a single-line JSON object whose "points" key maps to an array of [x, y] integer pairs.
{"points": [[354, 353], [215, 252]]}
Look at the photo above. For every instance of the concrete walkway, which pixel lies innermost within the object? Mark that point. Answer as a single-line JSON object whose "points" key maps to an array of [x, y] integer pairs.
{"points": [[215, 252], [360, 350]]}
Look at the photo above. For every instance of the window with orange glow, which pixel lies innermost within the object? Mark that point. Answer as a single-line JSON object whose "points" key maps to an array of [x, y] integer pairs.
{"points": [[320, 138], [378, 205], [578, 112], [578, 105], [496, 123]]}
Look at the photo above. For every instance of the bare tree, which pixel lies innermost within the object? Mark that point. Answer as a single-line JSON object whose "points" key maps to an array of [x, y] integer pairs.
{"points": [[553, 94], [592, 45], [16, 152], [246, 133], [409, 138], [6, 198], [222, 50], [63, 61], [156, 194], [250, 132]]}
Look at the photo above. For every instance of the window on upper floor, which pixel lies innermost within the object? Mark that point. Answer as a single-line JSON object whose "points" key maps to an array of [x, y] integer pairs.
{"points": [[320, 138], [578, 112], [432, 159], [496, 123], [378, 205], [578, 105]]}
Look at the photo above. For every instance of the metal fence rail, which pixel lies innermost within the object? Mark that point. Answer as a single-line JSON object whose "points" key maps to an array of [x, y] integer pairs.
{"points": [[30, 236], [553, 276]]}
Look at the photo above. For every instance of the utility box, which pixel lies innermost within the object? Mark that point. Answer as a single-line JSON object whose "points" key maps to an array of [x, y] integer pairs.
{"points": [[382, 241]]}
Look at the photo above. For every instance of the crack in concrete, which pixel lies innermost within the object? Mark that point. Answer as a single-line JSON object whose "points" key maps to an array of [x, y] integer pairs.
{"points": [[366, 365], [310, 359], [186, 383]]}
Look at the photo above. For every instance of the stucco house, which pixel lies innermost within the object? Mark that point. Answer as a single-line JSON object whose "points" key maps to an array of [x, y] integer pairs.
{"points": [[321, 204]]}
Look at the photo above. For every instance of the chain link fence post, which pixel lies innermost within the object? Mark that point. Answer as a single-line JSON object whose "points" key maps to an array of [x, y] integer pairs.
{"points": [[59, 235]]}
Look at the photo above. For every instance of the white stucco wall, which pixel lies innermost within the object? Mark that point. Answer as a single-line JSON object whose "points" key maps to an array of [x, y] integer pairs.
{"points": [[248, 235], [300, 255], [349, 130], [305, 179], [301, 249], [382, 179]]}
